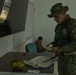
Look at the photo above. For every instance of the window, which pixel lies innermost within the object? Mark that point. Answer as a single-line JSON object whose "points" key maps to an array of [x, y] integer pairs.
{"points": [[5, 10]]}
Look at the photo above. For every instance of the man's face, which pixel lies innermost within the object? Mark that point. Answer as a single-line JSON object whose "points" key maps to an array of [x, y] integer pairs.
{"points": [[40, 40], [59, 18]]}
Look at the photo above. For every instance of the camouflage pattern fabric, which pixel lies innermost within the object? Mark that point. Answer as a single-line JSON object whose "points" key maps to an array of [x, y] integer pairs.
{"points": [[65, 39], [67, 65], [57, 8]]}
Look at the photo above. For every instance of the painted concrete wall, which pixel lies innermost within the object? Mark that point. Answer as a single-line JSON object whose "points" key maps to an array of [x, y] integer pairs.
{"points": [[7, 43], [44, 26]]}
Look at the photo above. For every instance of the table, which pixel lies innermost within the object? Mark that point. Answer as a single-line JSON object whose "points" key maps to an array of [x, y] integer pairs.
{"points": [[8, 57]]}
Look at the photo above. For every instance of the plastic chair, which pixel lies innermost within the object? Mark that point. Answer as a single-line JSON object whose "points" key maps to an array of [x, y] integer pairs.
{"points": [[31, 47]]}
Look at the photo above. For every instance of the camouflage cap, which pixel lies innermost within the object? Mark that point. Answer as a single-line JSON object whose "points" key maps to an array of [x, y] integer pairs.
{"points": [[57, 8]]}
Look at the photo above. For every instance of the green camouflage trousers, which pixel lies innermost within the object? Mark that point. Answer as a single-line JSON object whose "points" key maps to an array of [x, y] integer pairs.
{"points": [[67, 64]]}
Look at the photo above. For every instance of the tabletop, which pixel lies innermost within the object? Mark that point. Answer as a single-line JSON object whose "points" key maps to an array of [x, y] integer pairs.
{"points": [[8, 57]]}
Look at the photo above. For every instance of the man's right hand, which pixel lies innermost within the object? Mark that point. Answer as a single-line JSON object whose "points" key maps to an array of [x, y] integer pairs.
{"points": [[55, 49]]}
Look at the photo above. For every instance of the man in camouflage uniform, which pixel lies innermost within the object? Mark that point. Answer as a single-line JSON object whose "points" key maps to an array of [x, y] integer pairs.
{"points": [[65, 39]]}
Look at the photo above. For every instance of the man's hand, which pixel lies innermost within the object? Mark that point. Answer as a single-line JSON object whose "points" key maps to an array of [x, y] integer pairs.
{"points": [[55, 49]]}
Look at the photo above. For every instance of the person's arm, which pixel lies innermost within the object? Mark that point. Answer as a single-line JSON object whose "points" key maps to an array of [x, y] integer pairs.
{"points": [[43, 47], [55, 42]]}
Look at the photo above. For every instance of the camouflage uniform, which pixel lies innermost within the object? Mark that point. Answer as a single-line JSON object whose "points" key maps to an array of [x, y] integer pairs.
{"points": [[65, 40]]}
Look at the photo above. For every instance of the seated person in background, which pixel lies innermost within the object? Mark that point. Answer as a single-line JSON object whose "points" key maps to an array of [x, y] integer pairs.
{"points": [[38, 44]]}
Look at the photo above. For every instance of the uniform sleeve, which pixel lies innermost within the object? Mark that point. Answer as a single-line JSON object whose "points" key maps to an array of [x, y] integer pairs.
{"points": [[69, 47], [55, 42]]}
